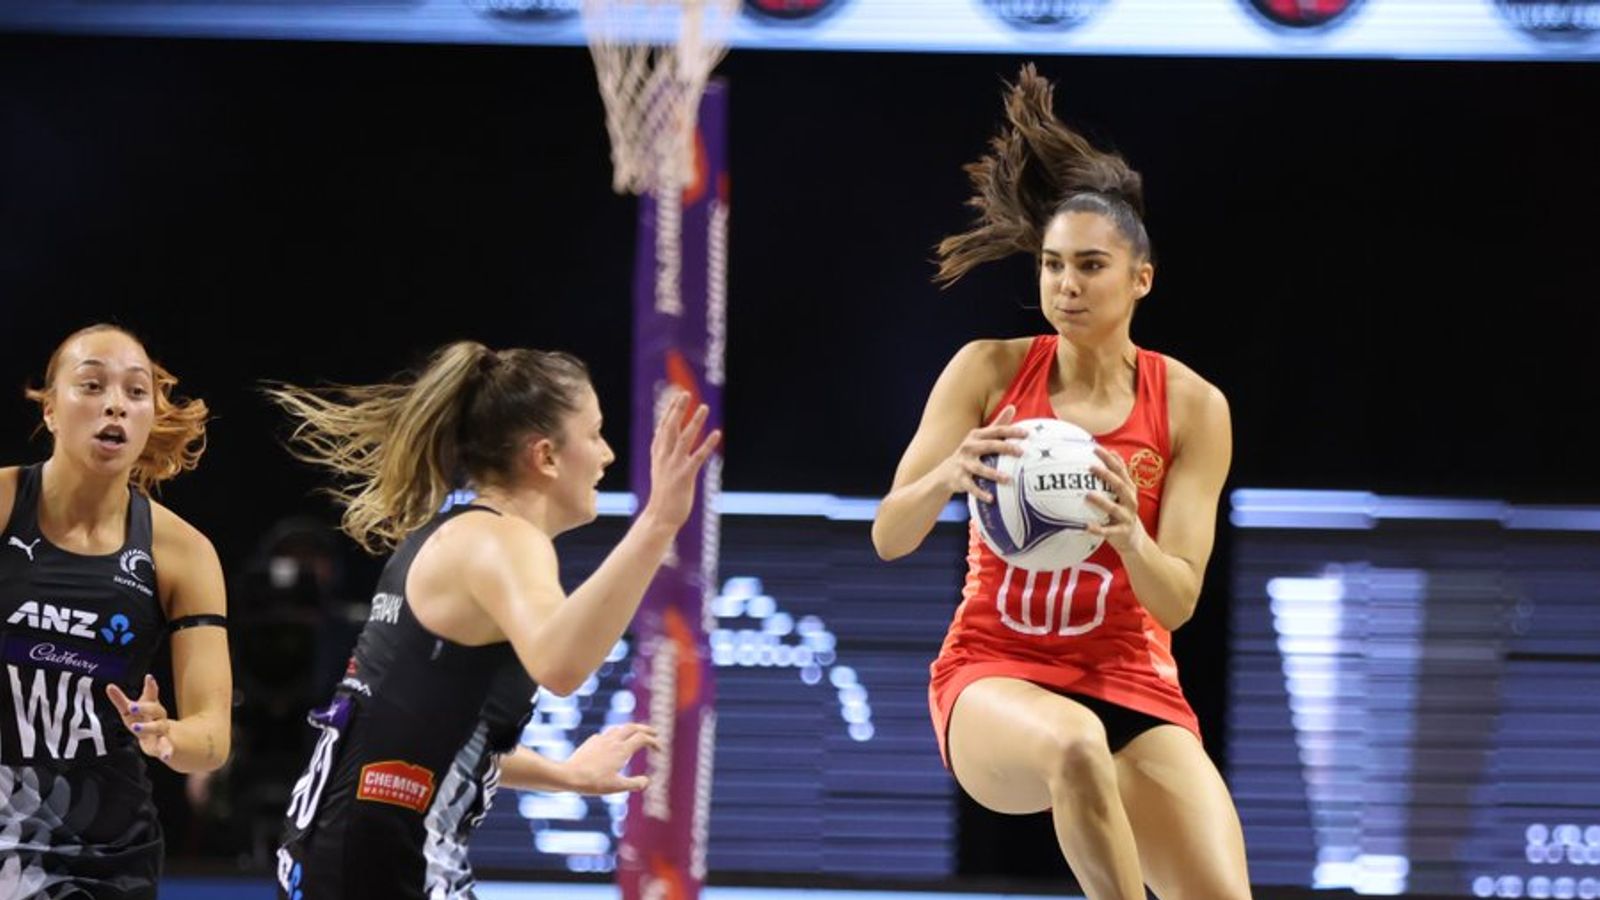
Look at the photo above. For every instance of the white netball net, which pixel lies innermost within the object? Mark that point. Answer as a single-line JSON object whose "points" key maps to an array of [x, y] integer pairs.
{"points": [[652, 58]]}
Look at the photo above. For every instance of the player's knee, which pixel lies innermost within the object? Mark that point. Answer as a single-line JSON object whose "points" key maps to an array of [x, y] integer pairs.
{"points": [[1079, 759]]}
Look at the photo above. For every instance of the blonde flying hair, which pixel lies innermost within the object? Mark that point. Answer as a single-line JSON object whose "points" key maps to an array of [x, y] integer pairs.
{"points": [[401, 447], [178, 434]]}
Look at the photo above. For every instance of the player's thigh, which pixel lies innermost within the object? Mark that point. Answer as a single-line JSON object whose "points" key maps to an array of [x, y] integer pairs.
{"points": [[1191, 846], [1010, 740]]}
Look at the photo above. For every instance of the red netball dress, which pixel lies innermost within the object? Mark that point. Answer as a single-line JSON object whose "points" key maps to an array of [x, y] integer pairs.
{"points": [[1080, 630]]}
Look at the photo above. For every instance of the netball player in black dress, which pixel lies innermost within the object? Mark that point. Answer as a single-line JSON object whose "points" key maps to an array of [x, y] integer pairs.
{"points": [[468, 615], [93, 575]]}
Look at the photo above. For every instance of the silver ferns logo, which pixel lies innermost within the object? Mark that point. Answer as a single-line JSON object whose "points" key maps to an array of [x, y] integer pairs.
{"points": [[1564, 21], [140, 572], [132, 560], [1044, 15]]}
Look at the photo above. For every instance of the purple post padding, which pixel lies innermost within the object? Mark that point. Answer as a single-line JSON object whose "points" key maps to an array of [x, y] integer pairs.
{"points": [[679, 337]]}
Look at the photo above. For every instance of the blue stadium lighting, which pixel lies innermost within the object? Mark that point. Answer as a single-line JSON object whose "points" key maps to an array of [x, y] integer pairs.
{"points": [[1391, 693], [1360, 510], [1330, 659], [752, 632]]}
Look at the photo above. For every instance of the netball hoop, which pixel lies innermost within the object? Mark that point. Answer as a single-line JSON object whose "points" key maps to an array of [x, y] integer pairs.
{"points": [[652, 59]]}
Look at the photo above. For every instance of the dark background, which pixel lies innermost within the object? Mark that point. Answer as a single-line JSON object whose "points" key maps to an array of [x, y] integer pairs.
{"points": [[1388, 267]]}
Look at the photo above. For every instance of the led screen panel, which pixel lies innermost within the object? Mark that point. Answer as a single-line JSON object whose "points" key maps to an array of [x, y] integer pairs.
{"points": [[1413, 695], [1426, 29]]}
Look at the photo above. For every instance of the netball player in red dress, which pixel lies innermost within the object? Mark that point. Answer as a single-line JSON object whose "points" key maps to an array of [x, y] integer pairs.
{"points": [[1058, 690]]}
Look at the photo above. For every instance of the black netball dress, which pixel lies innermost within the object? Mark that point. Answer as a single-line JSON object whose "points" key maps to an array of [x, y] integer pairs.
{"points": [[407, 760], [76, 816]]}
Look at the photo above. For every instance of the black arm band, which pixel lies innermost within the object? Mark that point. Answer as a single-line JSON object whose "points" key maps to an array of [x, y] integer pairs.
{"points": [[183, 622]]}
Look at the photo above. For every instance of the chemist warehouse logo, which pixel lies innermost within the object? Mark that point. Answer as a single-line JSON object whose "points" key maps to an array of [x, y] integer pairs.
{"points": [[397, 783], [1303, 15]]}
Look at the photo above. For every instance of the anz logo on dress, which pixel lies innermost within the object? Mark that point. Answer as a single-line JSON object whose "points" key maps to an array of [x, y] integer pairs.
{"points": [[52, 688]]}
